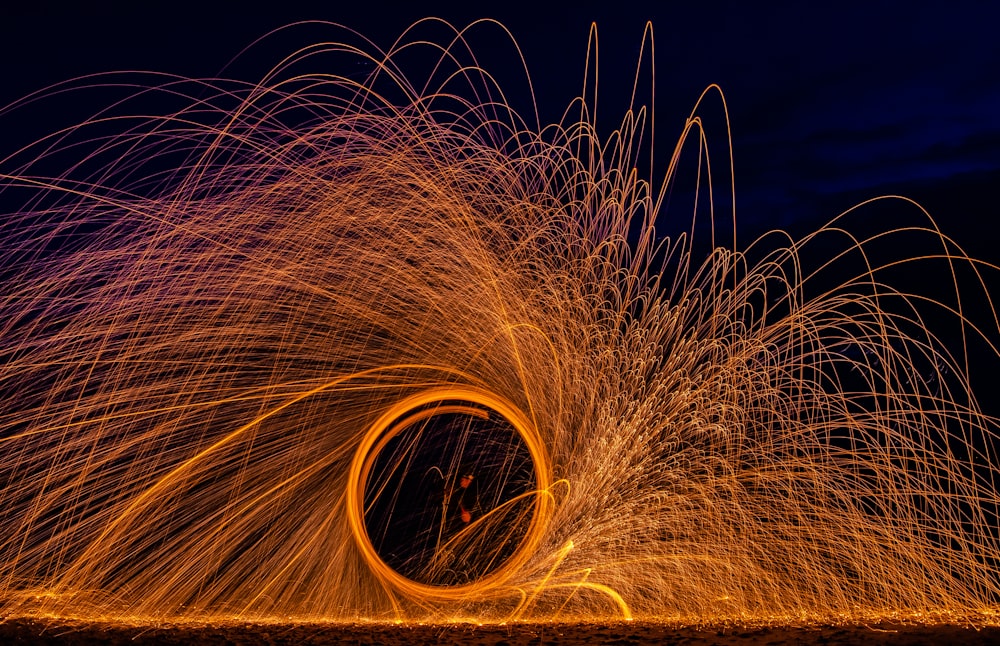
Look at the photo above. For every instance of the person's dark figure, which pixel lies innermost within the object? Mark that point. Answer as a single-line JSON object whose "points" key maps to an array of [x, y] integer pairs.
{"points": [[463, 503]]}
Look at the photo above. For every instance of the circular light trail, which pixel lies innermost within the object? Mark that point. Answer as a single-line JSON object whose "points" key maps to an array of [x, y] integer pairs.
{"points": [[404, 415]]}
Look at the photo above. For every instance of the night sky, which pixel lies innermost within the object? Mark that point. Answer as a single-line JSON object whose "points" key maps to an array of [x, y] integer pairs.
{"points": [[831, 103]]}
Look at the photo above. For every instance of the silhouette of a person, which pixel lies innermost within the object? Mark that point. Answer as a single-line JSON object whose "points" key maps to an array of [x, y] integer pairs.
{"points": [[463, 499], [461, 503]]}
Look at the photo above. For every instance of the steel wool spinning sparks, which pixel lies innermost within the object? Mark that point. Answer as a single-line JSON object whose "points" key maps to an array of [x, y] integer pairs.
{"points": [[330, 347]]}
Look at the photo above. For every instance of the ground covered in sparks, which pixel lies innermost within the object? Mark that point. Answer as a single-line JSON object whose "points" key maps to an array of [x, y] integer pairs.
{"points": [[36, 631]]}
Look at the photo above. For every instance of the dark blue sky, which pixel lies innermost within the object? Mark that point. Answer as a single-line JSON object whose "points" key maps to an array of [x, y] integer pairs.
{"points": [[831, 103]]}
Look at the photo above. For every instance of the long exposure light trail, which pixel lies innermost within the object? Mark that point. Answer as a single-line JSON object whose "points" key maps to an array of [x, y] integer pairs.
{"points": [[324, 347]]}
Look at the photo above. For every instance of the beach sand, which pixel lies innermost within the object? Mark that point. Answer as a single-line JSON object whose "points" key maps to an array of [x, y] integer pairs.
{"points": [[39, 631]]}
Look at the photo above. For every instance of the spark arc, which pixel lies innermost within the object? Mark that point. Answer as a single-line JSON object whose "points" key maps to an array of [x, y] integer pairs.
{"points": [[397, 419]]}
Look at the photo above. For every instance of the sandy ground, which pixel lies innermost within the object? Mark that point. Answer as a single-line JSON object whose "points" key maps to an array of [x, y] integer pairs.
{"points": [[34, 631]]}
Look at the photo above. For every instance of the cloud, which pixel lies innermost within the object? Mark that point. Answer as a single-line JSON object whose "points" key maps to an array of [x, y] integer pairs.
{"points": [[846, 140]]}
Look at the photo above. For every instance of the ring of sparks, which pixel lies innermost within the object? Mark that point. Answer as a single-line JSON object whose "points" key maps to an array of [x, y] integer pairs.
{"points": [[405, 414]]}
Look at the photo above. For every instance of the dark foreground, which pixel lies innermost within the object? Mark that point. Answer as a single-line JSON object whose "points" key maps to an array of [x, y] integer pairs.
{"points": [[34, 631]]}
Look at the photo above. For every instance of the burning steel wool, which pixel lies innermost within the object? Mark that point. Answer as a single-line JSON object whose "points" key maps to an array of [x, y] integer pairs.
{"points": [[377, 346]]}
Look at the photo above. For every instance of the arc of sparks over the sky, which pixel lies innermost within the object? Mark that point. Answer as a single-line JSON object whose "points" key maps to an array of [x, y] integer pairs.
{"points": [[215, 321]]}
